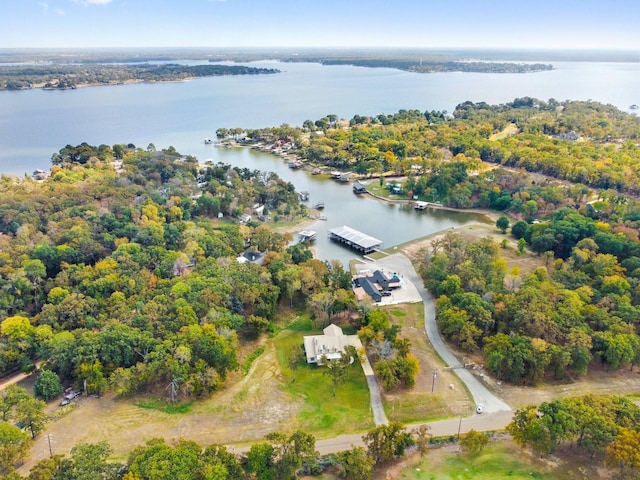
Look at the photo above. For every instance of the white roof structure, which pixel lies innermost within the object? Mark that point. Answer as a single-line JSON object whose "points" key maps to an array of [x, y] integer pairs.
{"points": [[331, 345], [354, 238]]}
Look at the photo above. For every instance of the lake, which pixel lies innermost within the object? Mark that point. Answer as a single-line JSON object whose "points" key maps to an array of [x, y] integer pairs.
{"points": [[392, 223], [35, 123]]}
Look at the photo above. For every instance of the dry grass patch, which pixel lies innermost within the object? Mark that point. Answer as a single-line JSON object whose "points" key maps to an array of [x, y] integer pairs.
{"points": [[419, 403], [507, 131]]}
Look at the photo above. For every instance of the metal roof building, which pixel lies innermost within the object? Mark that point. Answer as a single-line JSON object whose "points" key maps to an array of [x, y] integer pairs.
{"points": [[355, 239]]}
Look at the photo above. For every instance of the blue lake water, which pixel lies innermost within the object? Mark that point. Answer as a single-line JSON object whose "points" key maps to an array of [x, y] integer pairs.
{"points": [[34, 124]]}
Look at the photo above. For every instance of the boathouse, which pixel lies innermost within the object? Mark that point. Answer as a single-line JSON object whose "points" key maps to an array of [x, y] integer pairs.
{"points": [[359, 188], [307, 236], [353, 238]]}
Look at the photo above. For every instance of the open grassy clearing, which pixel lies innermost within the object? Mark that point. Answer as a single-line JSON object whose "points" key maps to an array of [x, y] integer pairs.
{"points": [[499, 460], [419, 404], [321, 413]]}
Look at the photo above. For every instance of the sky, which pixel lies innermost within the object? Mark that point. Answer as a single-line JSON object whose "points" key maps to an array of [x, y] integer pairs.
{"points": [[539, 24]]}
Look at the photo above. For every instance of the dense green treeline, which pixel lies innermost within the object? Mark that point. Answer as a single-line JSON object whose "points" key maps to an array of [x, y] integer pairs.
{"points": [[581, 305], [71, 76], [431, 66], [120, 269], [278, 457], [586, 143], [604, 427]]}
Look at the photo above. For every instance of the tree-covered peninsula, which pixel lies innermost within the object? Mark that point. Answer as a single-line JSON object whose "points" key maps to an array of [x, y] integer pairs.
{"points": [[70, 76], [419, 65]]}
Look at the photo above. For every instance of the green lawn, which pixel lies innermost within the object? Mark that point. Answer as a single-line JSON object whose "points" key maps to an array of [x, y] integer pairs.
{"points": [[161, 405], [496, 462], [384, 192], [323, 414]]}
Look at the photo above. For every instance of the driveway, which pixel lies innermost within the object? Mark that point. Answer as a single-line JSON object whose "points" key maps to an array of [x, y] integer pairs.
{"points": [[375, 399], [414, 291]]}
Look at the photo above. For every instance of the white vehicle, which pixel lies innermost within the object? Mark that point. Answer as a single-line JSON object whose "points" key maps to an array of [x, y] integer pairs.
{"points": [[479, 408]]}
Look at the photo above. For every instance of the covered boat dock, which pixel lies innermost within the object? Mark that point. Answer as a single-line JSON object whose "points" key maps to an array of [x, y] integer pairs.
{"points": [[307, 235], [353, 238]]}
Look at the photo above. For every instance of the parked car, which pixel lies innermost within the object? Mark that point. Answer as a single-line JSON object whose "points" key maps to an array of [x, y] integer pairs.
{"points": [[479, 408]]}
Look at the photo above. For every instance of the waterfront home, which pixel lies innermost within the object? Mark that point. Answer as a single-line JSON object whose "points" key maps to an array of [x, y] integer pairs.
{"points": [[307, 235]]}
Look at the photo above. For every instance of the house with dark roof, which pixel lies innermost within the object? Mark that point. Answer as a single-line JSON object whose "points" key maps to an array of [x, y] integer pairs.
{"points": [[251, 256], [376, 285]]}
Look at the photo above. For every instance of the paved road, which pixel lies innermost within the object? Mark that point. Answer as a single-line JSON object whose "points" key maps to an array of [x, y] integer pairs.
{"points": [[441, 428], [481, 395]]}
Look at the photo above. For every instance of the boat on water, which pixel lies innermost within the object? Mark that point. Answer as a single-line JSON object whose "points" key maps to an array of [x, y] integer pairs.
{"points": [[318, 205], [208, 141], [303, 196], [634, 107]]}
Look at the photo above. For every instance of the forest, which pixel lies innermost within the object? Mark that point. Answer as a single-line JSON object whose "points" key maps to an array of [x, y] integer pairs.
{"points": [[129, 279], [119, 270]]}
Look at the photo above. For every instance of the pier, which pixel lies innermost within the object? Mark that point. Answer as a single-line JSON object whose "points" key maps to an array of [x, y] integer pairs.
{"points": [[354, 239]]}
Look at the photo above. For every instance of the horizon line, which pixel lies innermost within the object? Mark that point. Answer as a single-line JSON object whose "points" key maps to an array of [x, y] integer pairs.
{"points": [[378, 47]]}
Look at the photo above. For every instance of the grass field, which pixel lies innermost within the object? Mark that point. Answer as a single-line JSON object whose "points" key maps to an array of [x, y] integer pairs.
{"points": [[418, 404], [321, 413], [499, 460]]}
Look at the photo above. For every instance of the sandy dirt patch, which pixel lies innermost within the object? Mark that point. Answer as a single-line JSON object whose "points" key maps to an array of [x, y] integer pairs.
{"points": [[245, 411]]}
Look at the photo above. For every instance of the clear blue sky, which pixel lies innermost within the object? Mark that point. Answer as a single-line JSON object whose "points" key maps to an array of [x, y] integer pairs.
{"points": [[228, 23]]}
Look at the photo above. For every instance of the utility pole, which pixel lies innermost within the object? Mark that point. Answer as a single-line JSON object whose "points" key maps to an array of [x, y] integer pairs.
{"points": [[50, 448], [433, 383], [459, 427]]}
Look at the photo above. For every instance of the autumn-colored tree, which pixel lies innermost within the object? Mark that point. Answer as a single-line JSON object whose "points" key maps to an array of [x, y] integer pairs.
{"points": [[624, 453], [473, 442]]}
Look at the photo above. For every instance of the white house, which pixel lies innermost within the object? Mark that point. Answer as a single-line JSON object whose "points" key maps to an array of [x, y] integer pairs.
{"points": [[330, 345]]}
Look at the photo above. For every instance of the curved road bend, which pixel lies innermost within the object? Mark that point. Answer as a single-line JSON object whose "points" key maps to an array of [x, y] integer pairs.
{"points": [[480, 393]]}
